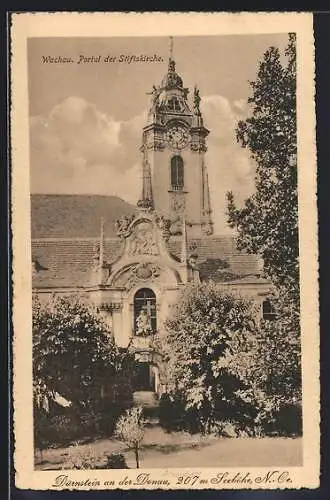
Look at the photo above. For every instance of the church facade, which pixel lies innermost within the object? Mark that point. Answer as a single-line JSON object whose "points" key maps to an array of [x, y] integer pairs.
{"points": [[135, 277]]}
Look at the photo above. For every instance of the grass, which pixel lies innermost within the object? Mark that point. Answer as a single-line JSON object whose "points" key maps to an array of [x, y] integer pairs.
{"points": [[181, 449]]}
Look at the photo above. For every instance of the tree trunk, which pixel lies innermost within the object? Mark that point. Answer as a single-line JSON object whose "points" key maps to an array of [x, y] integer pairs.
{"points": [[136, 451]]}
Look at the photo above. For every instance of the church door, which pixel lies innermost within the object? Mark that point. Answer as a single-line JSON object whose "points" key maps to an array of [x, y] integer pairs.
{"points": [[142, 377]]}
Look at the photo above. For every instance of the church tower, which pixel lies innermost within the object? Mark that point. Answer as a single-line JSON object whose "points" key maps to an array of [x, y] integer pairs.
{"points": [[174, 146]]}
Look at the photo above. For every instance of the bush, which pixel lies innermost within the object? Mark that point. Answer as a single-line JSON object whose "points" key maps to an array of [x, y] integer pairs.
{"points": [[82, 458], [116, 461], [74, 356], [173, 415], [130, 429]]}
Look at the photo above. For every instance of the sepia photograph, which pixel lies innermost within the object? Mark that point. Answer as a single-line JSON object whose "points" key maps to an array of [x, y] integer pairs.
{"points": [[164, 291]]}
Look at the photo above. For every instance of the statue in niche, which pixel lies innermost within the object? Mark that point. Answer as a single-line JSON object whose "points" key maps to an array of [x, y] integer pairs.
{"points": [[143, 323]]}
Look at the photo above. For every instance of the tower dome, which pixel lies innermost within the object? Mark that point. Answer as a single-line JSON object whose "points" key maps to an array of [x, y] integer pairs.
{"points": [[172, 80]]}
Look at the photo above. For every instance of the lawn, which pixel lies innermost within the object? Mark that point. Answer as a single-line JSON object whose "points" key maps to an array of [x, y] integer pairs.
{"points": [[180, 449]]}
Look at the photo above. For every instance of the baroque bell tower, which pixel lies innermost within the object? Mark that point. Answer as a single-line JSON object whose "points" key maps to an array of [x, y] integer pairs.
{"points": [[174, 146]]}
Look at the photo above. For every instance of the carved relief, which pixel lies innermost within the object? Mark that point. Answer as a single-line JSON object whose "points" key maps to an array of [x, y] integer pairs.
{"points": [[159, 145], [143, 241], [138, 273], [164, 225], [123, 226], [111, 306], [178, 202], [176, 226], [207, 229], [198, 147], [156, 145]]}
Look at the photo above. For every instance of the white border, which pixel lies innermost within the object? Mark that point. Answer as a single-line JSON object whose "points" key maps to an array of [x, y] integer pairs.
{"points": [[27, 25]]}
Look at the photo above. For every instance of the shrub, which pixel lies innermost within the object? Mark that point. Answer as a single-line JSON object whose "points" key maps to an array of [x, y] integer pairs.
{"points": [[82, 458], [130, 429], [74, 356], [116, 461]]}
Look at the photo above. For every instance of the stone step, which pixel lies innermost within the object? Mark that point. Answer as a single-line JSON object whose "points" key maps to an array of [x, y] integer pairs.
{"points": [[147, 399]]}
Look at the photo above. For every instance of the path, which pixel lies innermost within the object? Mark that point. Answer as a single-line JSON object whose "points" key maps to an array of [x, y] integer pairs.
{"points": [[180, 449]]}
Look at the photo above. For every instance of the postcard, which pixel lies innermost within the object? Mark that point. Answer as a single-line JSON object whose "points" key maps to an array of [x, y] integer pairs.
{"points": [[165, 262]]}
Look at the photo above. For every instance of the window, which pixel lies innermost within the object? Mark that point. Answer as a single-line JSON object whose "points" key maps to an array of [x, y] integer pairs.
{"points": [[173, 104], [145, 313], [268, 311], [177, 173]]}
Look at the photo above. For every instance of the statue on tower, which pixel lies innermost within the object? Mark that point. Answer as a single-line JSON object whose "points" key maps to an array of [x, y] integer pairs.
{"points": [[154, 93], [197, 101]]}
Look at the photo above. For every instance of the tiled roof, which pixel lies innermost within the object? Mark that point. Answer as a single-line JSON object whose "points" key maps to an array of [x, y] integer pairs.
{"points": [[75, 216], [68, 262]]}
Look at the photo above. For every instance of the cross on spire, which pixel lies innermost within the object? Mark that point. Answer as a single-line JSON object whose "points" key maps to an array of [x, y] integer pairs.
{"points": [[171, 48]]}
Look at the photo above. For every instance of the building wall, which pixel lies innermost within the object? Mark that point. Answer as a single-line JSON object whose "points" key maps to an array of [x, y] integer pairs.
{"points": [[192, 193]]}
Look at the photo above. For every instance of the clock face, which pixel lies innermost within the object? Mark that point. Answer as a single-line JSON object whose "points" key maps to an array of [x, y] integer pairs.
{"points": [[177, 137]]}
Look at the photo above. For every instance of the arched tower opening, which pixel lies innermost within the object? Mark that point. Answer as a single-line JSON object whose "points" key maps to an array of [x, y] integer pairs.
{"points": [[177, 173]]}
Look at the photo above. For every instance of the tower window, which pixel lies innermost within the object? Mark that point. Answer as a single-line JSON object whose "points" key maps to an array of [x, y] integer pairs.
{"points": [[173, 104], [177, 173], [268, 310]]}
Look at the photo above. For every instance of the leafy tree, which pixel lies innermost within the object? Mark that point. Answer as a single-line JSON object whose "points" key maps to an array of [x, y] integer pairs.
{"points": [[73, 352], [199, 334], [268, 223], [227, 367], [269, 363], [130, 429]]}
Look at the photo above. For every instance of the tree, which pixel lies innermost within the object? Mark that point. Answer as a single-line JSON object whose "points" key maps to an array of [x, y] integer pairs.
{"points": [[73, 352], [227, 366], [199, 334], [268, 223], [269, 363], [130, 429]]}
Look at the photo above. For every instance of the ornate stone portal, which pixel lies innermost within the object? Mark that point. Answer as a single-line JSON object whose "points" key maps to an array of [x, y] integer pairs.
{"points": [[145, 278]]}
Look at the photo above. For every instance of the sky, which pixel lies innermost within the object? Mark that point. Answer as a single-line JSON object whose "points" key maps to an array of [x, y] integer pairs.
{"points": [[86, 119]]}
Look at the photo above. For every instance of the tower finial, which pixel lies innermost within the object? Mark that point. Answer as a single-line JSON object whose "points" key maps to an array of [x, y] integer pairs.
{"points": [[146, 200], [101, 256], [171, 63], [171, 48]]}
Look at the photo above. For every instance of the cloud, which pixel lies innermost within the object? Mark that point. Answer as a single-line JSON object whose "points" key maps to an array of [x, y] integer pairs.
{"points": [[78, 149], [240, 105]]}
